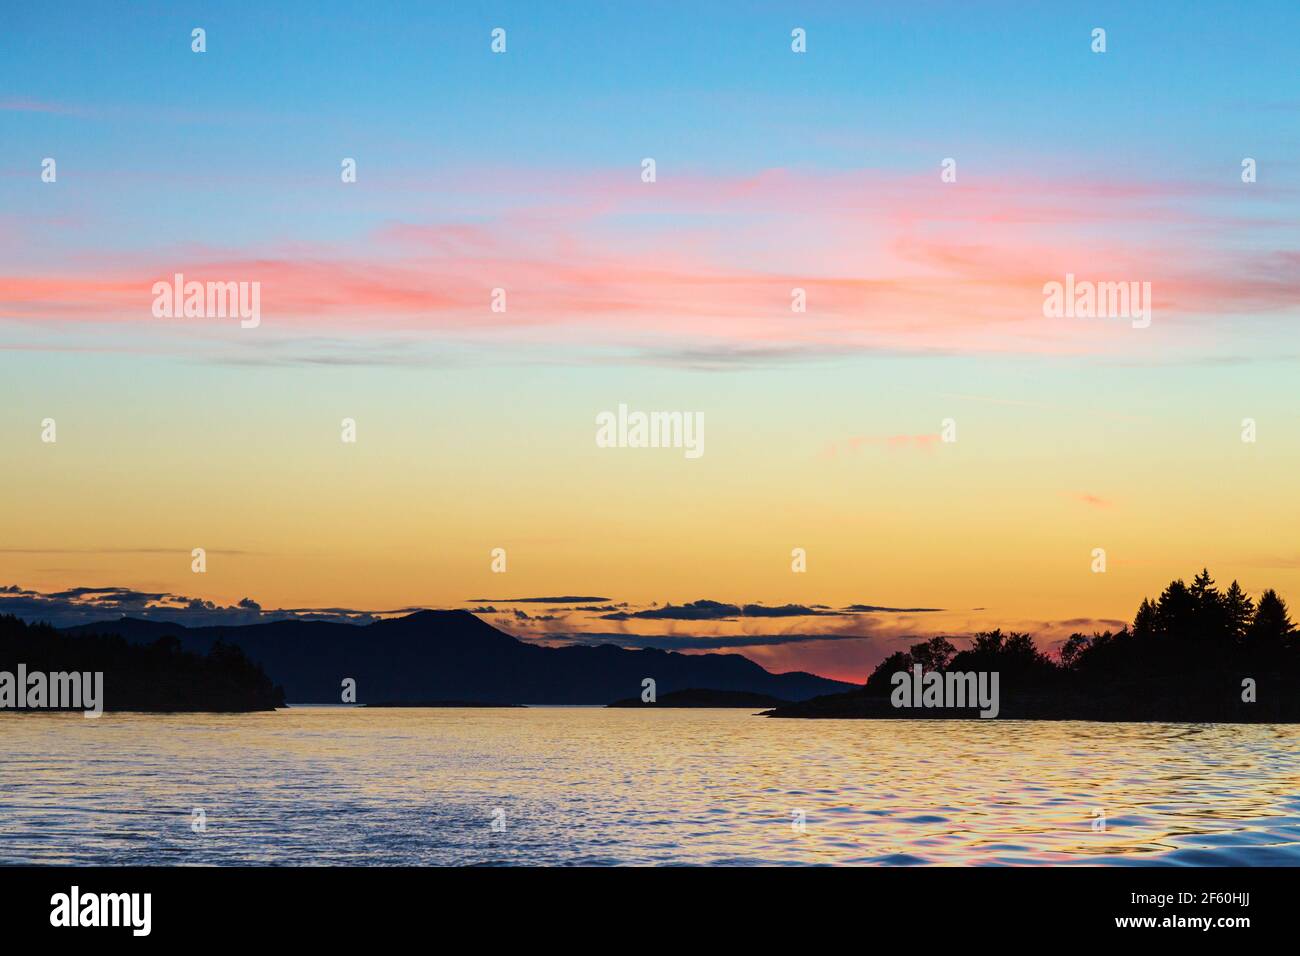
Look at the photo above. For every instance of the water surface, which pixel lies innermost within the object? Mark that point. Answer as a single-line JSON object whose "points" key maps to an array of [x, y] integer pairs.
{"points": [[595, 786]]}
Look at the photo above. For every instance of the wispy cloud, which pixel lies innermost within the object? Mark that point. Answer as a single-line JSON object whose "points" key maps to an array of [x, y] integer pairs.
{"points": [[855, 444], [17, 104], [887, 263], [1094, 501]]}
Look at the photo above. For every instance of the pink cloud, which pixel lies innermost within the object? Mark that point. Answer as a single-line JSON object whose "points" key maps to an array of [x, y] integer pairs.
{"points": [[712, 262], [1092, 500], [855, 444]]}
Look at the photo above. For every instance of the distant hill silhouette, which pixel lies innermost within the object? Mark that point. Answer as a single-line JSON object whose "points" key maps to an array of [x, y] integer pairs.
{"points": [[156, 675], [453, 655], [1187, 657], [695, 697]]}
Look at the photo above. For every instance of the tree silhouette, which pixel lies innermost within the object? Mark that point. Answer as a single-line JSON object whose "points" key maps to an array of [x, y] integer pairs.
{"points": [[1239, 611], [1271, 626], [1072, 648], [895, 662], [1176, 612], [1185, 658], [1144, 623], [934, 654]]}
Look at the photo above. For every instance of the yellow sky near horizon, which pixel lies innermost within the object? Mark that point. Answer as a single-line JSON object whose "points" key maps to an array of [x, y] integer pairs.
{"points": [[447, 467]]}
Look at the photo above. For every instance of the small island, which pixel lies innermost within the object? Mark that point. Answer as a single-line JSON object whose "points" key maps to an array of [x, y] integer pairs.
{"points": [[1194, 654]]}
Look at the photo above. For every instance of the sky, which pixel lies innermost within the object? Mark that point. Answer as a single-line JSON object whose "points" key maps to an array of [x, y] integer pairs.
{"points": [[774, 171]]}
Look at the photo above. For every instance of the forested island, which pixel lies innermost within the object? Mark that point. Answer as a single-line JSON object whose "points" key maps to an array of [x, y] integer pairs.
{"points": [[1195, 653], [158, 676]]}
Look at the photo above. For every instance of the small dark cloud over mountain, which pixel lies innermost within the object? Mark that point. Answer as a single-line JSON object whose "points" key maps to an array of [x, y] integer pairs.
{"points": [[785, 610], [525, 616], [692, 611]]}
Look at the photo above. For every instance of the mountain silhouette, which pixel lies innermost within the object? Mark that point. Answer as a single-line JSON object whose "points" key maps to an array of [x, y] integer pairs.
{"points": [[453, 655]]}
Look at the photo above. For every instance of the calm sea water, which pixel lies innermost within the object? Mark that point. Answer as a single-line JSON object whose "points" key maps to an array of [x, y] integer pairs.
{"points": [[595, 786]]}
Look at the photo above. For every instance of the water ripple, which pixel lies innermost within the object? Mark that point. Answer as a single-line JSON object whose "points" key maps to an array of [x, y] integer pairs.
{"points": [[584, 786]]}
